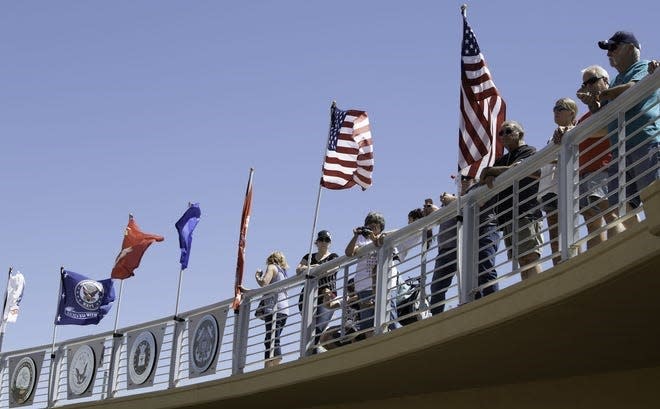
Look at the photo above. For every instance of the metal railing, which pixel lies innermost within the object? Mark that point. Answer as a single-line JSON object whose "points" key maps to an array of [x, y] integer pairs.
{"points": [[420, 271]]}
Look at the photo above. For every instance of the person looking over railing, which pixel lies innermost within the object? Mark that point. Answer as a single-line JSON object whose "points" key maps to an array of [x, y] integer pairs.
{"points": [[642, 144], [365, 274], [595, 157], [276, 306], [327, 286], [528, 234], [565, 112]]}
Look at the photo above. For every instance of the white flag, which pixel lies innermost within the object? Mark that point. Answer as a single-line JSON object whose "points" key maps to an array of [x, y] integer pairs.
{"points": [[14, 294]]}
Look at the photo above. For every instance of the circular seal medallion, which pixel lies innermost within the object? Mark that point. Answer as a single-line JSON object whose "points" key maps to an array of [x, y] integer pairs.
{"points": [[81, 370], [204, 343], [89, 294], [22, 380], [141, 357]]}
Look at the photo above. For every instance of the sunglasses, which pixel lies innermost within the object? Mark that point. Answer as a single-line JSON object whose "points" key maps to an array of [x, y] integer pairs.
{"points": [[559, 109], [591, 81], [612, 47], [506, 131], [323, 239]]}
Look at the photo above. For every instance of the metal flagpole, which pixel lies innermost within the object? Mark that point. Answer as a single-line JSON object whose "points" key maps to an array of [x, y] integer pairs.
{"points": [[307, 309], [4, 307], [178, 295], [121, 290], [59, 298], [178, 290]]}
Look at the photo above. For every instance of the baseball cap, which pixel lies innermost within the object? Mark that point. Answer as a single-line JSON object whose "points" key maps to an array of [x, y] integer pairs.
{"points": [[620, 37], [323, 234]]}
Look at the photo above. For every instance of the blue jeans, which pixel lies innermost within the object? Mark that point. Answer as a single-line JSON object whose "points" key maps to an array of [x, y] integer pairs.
{"points": [[489, 241], [272, 340], [648, 156], [443, 273], [366, 315]]}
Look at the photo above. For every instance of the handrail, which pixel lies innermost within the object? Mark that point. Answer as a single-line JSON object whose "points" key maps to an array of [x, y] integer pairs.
{"points": [[241, 342]]}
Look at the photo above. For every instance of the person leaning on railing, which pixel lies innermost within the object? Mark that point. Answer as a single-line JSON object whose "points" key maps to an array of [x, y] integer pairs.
{"points": [[594, 158], [528, 235], [327, 285], [642, 143]]}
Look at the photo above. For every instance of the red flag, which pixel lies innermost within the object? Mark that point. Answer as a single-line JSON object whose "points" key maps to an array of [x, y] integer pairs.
{"points": [[132, 249], [349, 159], [482, 110], [245, 220]]}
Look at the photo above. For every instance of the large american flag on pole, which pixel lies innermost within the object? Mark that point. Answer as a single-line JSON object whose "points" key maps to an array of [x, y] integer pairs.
{"points": [[349, 159], [482, 110]]}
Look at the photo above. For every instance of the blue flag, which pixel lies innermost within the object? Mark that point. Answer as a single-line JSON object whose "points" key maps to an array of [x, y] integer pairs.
{"points": [[185, 227], [83, 301]]}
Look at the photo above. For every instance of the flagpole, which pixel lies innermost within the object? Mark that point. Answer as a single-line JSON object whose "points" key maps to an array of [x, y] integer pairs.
{"points": [[464, 10], [4, 307], [178, 295], [318, 205], [57, 311], [306, 294], [121, 290]]}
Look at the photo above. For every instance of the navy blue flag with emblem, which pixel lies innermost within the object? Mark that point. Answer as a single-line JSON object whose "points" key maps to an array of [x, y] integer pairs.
{"points": [[83, 301], [185, 227]]}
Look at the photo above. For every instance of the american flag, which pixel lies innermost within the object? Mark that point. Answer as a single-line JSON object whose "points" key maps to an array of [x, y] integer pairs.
{"points": [[349, 159], [482, 110]]}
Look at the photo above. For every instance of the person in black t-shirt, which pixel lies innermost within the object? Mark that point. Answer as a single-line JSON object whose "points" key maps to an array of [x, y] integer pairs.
{"points": [[327, 284], [528, 235]]}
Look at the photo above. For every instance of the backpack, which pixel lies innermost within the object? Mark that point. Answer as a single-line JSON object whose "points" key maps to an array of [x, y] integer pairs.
{"points": [[409, 301]]}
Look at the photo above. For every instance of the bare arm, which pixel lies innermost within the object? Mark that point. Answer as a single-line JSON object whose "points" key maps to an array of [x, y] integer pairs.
{"points": [[266, 277], [612, 93], [351, 247]]}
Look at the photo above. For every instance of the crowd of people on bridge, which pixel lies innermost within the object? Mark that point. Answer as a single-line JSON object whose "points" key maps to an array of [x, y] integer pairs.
{"points": [[599, 184]]}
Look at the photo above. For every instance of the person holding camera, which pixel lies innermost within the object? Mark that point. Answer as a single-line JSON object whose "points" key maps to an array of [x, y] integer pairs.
{"points": [[277, 307], [365, 275]]}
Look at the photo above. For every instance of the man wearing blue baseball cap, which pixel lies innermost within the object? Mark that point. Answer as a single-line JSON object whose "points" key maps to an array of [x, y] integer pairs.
{"points": [[642, 145]]}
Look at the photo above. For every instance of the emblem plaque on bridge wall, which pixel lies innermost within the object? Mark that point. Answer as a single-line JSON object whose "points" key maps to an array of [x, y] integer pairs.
{"points": [[206, 332], [143, 352], [23, 378], [82, 362]]}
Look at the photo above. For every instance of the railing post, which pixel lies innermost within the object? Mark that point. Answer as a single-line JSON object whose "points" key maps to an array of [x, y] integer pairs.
{"points": [[515, 226], [380, 298], [467, 253], [175, 358], [568, 212], [241, 326], [54, 378], [115, 354], [307, 319], [621, 162]]}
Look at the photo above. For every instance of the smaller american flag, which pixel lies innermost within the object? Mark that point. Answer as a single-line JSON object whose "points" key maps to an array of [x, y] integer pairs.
{"points": [[349, 159]]}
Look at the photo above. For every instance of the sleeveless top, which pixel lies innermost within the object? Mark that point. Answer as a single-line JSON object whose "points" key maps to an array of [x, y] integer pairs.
{"points": [[282, 305]]}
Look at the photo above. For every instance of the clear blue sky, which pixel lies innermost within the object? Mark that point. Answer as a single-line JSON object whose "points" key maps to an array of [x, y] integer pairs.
{"points": [[114, 107]]}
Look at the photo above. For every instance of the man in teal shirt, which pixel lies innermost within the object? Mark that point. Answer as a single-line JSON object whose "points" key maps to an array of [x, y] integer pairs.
{"points": [[642, 145]]}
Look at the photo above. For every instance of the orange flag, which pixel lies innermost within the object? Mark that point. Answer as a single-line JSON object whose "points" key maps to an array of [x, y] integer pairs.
{"points": [[132, 249]]}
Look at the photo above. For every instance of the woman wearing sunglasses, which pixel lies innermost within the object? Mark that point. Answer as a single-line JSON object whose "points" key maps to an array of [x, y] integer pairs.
{"points": [[327, 284]]}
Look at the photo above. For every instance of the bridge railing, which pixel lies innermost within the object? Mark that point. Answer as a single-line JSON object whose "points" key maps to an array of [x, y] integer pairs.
{"points": [[430, 266]]}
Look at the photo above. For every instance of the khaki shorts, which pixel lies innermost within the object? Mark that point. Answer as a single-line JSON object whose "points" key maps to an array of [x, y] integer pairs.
{"points": [[529, 236]]}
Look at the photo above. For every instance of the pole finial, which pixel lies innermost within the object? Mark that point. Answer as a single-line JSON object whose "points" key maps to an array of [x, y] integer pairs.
{"points": [[464, 10]]}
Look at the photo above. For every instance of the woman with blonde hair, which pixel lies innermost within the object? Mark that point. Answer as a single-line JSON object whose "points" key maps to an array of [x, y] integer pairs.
{"points": [[565, 114], [276, 309]]}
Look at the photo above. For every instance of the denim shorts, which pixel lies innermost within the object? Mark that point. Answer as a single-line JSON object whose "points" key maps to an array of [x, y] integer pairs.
{"points": [[593, 187]]}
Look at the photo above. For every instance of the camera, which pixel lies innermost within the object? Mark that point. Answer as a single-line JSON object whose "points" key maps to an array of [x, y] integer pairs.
{"points": [[364, 231]]}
